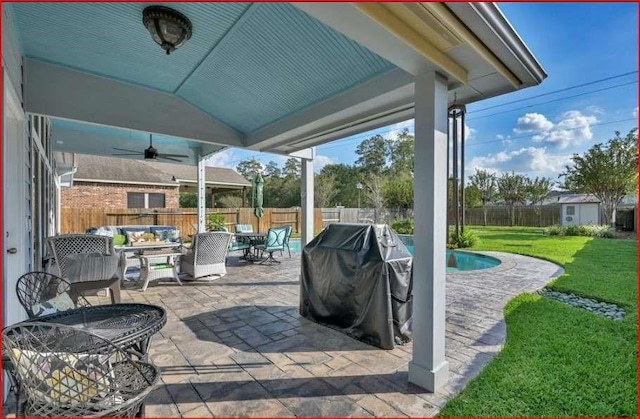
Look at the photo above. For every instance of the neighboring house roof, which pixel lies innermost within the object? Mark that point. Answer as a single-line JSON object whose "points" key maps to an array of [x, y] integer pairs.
{"points": [[213, 175], [579, 199], [92, 168], [115, 170]]}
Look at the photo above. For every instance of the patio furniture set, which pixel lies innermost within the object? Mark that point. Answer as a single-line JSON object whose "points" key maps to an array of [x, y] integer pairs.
{"points": [[72, 359]]}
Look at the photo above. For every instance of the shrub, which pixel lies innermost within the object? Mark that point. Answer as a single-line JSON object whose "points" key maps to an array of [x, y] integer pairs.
{"points": [[572, 230], [403, 226], [582, 230], [555, 230], [216, 222], [465, 239]]}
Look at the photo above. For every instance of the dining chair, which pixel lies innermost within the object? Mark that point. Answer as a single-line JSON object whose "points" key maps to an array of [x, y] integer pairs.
{"points": [[70, 372], [274, 242]]}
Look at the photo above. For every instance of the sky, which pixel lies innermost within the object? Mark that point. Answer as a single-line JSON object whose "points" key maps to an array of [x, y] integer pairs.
{"points": [[577, 44]]}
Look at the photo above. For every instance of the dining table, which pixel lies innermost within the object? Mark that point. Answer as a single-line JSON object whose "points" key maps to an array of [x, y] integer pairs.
{"points": [[254, 238]]}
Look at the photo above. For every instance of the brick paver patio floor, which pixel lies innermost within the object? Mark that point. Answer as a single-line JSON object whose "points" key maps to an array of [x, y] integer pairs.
{"points": [[237, 346]]}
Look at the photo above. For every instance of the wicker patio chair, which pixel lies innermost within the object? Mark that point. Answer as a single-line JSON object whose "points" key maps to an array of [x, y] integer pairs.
{"points": [[69, 372], [64, 245], [36, 288], [207, 255], [274, 242]]}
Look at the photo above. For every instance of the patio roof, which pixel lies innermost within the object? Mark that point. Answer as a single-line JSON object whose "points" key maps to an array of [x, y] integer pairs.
{"points": [[275, 77]]}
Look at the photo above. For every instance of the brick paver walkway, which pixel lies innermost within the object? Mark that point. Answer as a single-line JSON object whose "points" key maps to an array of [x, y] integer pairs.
{"points": [[238, 347]]}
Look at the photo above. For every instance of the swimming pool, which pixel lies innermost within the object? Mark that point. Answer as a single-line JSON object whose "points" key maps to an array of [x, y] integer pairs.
{"points": [[464, 261]]}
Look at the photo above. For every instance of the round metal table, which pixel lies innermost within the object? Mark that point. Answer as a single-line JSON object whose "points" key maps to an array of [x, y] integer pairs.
{"points": [[128, 326]]}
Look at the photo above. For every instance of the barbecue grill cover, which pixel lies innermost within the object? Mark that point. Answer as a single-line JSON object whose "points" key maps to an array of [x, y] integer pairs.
{"points": [[357, 278]]}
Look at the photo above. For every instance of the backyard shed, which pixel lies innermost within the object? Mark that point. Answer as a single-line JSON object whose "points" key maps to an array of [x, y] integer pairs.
{"points": [[578, 209]]}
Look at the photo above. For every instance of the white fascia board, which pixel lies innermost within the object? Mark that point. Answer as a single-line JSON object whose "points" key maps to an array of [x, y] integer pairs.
{"points": [[390, 91], [489, 24], [61, 92]]}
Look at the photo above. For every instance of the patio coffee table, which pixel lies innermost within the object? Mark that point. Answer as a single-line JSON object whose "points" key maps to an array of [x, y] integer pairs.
{"points": [[158, 265]]}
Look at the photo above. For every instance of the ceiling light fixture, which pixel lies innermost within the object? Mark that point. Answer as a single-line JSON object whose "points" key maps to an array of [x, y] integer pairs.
{"points": [[168, 28]]}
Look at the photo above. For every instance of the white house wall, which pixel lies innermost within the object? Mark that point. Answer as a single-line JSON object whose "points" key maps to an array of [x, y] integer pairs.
{"points": [[16, 232], [589, 214]]}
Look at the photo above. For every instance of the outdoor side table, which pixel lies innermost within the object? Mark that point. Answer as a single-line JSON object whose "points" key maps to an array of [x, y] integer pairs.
{"points": [[158, 265]]}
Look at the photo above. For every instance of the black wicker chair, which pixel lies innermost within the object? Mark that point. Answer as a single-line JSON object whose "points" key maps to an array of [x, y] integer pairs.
{"points": [[36, 288], [68, 372]]}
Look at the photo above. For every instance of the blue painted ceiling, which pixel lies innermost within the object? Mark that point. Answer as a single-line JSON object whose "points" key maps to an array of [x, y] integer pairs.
{"points": [[246, 64]]}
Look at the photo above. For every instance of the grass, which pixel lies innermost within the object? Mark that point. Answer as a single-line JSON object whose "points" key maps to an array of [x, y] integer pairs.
{"points": [[559, 360]]}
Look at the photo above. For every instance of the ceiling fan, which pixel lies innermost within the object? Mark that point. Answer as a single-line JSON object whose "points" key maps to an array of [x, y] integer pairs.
{"points": [[150, 153]]}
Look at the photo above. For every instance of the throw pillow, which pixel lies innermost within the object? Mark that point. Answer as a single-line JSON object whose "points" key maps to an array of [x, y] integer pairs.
{"points": [[60, 302], [61, 377], [168, 235], [135, 236], [119, 239]]}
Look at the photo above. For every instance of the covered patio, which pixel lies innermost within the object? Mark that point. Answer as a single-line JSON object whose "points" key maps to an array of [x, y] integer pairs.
{"points": [[239, 347], [275, 77]]}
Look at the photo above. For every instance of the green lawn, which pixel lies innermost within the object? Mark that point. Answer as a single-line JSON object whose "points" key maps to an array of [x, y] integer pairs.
{"points": [[560, 360]]}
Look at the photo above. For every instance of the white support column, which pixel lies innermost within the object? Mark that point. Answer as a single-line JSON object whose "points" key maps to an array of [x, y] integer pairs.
{"points": [[429, 368], [201, 195], [306, 190]]}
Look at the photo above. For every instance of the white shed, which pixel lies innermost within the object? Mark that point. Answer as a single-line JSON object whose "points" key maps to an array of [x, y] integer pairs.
{"points": [[578, 209]]}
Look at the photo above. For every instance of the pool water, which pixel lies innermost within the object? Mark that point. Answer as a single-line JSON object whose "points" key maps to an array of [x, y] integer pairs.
{"points": [[465, 261]]}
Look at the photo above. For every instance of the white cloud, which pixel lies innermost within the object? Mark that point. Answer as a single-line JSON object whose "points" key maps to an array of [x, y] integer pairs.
{"points": [[531, 161], [505, 140], [574, 127], [532, 122], [635, 112], [396, 129], [225, 158], [321, 161]]}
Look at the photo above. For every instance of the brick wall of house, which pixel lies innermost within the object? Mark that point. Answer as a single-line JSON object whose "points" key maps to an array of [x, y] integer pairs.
{"points": [[112, 195]]}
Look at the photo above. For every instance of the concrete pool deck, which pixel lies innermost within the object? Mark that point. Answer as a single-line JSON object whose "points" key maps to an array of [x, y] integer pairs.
{"points": [[237, 346]]}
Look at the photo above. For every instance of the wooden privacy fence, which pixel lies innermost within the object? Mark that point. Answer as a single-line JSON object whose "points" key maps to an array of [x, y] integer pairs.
{"points": [[524, 216], [77, 220]]}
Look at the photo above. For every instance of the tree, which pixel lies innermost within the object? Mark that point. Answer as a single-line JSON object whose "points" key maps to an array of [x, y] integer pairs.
{"points": [[373, 192], [325, 189], [230, 200], [512, 188], [373, 155], [292, 168], [486, 183], [537, 190], [249, 169], [397, 193], [608, 172], [348, 177], [472, 197], [401, 153], [272, 170]]}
